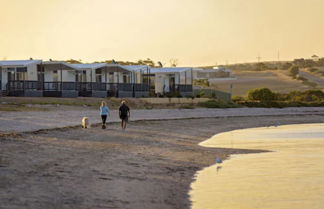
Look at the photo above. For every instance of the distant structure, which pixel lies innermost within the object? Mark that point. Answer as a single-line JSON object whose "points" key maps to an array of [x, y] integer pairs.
{"points": [[315, 58], [259, 58], [213, 73]]}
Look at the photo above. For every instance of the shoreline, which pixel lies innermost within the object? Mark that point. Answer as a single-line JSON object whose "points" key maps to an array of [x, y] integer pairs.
{"points": [[150, 165], [241, 172], [62, 117]]}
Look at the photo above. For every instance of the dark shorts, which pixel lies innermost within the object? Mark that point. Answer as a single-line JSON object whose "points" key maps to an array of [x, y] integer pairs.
{"points": [[125, 118]]}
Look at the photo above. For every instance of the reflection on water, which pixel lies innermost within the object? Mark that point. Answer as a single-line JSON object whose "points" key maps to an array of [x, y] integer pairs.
{"points": [[290, 177]]}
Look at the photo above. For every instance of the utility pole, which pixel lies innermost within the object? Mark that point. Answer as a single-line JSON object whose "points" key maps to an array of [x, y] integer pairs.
{"points": [[259, 58]]}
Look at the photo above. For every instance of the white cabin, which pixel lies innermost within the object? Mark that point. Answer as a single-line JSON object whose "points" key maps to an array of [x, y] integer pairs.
{"points": [[18, 70]]}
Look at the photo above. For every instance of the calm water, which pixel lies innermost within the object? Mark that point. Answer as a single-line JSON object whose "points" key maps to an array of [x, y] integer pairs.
{"points": [[290, 177]]}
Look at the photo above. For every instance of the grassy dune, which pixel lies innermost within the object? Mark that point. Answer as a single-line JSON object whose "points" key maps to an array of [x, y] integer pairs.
{"points": [[276, 80]]}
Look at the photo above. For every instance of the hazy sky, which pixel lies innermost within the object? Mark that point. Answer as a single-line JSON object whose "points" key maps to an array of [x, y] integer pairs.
{"points": [[196, 32]]}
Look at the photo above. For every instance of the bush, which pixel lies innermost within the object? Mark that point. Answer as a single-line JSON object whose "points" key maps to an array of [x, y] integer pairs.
{"points": [[237, 98], [201, 93], [261, 94], [294, 71], [309, 98], [201, 82], [312, 70], [301, 78]]}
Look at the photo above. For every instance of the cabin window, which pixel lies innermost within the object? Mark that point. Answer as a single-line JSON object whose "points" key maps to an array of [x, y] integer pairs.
{"points": [[20, 76], [111, 77], [40, 73], [55, 76], [126, 78], [98, 78], [98, 75]]}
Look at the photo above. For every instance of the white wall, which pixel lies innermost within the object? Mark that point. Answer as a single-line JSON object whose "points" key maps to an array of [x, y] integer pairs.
{"points": [[185, 78], [4, 79], [182, 77], [159, 81], [48, 75], [32, 72], [162, 83], [177, 78], [68, 75]]}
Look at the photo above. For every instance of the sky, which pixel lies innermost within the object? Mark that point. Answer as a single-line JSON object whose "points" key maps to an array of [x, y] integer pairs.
{"points": [[195, 32]]}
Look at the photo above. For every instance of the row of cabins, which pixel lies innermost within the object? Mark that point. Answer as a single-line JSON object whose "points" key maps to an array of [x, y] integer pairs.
{"points": [[36, 78]]}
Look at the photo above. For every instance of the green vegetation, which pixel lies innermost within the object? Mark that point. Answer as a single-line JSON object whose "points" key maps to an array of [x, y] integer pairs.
{"points": [[213, 103], [201, 82], [294, 71], [264, 97], [212, 94], [187, 106], [261, 94], [316, 71]]}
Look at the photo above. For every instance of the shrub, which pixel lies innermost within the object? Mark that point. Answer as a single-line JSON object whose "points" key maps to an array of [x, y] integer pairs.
{"points": [[237, 98], [301, 78], [293, 71], [201, 93], [261, 94], [313, 70]]}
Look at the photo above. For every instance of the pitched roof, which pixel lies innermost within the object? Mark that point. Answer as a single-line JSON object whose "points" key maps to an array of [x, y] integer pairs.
{"points": [[170, 69], [136, 68], [19, 63], [89, 66], [54, 65]]}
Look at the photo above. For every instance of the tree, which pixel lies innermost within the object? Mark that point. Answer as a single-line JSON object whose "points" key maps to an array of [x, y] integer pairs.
{"points": [[73, 61], [261, 94], [286, 66], [294, 71], [174, 62], [148, 62], [261, 66], [320, 62]]}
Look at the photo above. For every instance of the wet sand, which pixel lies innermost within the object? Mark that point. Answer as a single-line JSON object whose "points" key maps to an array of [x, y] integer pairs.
{"points": [[150, 165]]}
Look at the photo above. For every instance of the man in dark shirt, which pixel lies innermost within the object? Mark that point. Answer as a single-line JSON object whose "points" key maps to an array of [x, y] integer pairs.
{"points": [[124, 114]]}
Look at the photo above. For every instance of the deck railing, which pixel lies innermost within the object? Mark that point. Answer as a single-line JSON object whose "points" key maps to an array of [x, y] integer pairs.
{"points": [[24, 85], [141, 87], [59, 86], [79, 86], [183, 88]]}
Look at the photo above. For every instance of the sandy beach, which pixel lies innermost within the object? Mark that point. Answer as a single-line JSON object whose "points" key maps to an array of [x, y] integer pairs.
{"points": [[150, 165]]}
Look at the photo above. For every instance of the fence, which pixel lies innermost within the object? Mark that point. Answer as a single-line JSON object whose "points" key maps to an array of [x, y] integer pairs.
{"points": [[57, 86]]}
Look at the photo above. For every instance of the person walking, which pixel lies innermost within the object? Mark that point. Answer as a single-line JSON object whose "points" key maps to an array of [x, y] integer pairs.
{"points": [[124, 114], [104, 112]]}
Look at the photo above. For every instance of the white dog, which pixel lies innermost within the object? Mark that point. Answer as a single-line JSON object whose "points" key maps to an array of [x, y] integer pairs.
{"points": [[85, 122]]}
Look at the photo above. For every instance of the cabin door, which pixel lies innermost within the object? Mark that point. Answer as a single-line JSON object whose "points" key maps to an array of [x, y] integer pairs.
{"points": [[11, 76]]}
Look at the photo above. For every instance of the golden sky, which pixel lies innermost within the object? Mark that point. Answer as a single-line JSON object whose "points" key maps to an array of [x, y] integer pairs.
{"points": [[196, 32]]}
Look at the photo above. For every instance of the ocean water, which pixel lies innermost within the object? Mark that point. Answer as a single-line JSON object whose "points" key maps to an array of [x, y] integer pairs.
{"points": [[291, 176]]}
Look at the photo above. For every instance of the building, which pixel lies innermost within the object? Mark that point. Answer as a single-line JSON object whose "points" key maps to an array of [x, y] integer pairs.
{"points": [[58, 79], [19, 77], [102, 80], [215, 72], [172, 80], [139, 77]]}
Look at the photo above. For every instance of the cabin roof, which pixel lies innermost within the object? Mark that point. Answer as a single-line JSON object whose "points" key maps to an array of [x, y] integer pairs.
{"points": [[19, 63], [170, 69]]}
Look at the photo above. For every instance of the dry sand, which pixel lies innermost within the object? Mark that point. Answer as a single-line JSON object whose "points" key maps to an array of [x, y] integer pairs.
{"points": [[148, 166]]}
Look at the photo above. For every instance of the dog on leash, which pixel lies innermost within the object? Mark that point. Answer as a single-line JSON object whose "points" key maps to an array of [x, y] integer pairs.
{"points": [[85, 122]]}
